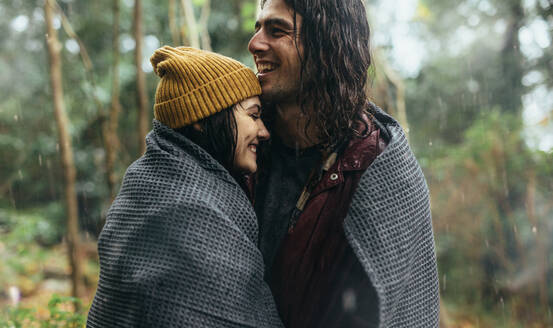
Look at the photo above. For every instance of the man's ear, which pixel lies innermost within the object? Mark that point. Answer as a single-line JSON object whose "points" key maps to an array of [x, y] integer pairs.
{"points": [[198, 127]]}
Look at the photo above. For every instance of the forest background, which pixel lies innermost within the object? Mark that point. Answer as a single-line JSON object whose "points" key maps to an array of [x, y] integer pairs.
{"points": [[470, 80]]}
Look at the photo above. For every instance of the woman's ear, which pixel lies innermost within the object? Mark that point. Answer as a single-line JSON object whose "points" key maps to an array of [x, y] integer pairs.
{"points": [[198, 127]]}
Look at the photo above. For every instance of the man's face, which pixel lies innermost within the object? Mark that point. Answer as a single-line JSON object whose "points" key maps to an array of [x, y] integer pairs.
{"points": [[275, 52]]}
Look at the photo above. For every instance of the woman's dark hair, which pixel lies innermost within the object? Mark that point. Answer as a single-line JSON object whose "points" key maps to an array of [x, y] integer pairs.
{"points": [[218, 136], [336, 58]]}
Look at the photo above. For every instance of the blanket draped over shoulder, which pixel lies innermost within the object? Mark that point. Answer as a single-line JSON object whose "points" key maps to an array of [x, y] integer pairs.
{"points": [[390, 230], [179, 248]]}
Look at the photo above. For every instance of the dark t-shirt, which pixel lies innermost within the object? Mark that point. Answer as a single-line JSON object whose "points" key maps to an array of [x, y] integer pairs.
{"points": [[277, 194], [316, 279]]}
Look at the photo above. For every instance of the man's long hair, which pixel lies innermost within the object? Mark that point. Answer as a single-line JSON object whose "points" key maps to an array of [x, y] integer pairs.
{"points": [[336, 58]]}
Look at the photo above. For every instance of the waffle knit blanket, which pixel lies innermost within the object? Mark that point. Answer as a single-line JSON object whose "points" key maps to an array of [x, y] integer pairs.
{"points": [[179, 248], [390, 230]]}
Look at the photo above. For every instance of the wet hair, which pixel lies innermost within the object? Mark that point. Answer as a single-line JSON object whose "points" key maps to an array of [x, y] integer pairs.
{"points": [[336, 58], [217, 136]]}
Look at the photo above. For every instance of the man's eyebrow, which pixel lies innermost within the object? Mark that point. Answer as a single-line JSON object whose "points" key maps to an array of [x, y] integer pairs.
{"points": [[274, 21]]}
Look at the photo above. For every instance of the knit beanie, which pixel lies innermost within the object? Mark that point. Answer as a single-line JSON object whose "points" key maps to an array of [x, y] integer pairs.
{"points": [[196, 84]]}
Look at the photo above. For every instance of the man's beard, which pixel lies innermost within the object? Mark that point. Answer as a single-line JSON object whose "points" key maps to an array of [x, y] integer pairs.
{"points": [[280, 95]]}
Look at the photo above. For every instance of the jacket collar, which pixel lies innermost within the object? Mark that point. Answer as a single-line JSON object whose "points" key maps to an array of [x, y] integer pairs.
{"points": [[356, 156]]}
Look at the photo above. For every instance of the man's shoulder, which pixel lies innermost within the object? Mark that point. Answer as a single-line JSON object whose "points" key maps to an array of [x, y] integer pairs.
{"points": [[372, 139]]}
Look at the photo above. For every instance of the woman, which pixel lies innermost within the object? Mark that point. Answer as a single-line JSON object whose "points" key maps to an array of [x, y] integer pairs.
{"points": [[179, 245]]}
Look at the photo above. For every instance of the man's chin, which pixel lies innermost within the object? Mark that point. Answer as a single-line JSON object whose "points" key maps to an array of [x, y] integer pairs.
{"points": [[275, 95], [267, 96]]}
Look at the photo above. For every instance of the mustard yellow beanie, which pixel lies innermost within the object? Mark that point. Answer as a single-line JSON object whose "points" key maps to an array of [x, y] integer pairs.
{"points": [[196, 84]]}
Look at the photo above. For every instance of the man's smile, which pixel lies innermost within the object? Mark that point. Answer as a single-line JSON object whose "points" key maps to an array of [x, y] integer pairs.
{"points": [[265, 67]]}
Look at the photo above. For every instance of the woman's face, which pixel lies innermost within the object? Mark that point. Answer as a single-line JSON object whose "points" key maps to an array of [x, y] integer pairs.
{"points": [[250, 131]]}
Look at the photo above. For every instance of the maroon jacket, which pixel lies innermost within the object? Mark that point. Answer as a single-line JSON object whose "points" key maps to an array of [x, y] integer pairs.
{"points": [[317, 280]]}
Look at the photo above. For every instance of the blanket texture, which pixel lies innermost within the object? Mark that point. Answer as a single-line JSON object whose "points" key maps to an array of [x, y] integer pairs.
{"points": [[390, 230], [179, 245]]}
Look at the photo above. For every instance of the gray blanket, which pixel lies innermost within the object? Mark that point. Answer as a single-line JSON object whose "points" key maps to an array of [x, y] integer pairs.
{"points": [[179, 246], [389, 228]]}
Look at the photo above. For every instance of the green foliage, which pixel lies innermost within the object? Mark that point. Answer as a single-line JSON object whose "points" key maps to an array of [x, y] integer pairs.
{"points": [[59, 315], [23, 237], [21, 227], [64, 318], [248, 12], [17, 318], [489, 231]]}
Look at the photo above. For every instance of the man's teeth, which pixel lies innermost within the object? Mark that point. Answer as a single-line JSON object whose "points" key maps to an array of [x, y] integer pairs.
{"points": [[253, 148], [263, 68]]}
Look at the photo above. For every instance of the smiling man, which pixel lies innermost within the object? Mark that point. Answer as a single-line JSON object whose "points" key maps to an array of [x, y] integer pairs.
{"points": [[342, 204]]}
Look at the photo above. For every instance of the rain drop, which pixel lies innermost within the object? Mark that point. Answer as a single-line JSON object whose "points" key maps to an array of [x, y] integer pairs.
{"points": [[40, 160], [535, 230]]}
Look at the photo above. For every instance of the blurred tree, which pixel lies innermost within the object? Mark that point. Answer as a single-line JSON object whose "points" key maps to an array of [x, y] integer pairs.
{"points": [[198, 33], [111, 123], [467, 105], [388, 90], [173, 23], [143, 125], [66, 152], [191, 24], [203, 25]]}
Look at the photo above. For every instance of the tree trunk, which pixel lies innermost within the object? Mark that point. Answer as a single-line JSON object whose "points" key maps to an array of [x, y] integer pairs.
{"points": [[511, 89], [66, 153], [389, 91], [192, 26], [172, 23], [541, 239], [111, 139], [203, 25], [140, 79]]}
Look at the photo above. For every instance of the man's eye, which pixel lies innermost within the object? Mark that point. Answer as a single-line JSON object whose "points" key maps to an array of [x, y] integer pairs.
{"points": [[277, 31], [255, 116]]}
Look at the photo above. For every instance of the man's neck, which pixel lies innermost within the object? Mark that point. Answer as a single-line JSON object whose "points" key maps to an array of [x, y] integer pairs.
{"points": [[290, 125]]}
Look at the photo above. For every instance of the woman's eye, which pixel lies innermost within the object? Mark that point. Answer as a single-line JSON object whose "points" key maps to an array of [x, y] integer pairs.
{"points": [[255, 116]]}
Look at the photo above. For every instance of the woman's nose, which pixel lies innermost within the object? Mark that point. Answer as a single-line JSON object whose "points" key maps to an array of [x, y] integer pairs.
{"points": [[262, 132]]}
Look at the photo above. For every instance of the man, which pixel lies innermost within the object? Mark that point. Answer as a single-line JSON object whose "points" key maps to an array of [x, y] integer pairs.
{"points": [[343, 207]]}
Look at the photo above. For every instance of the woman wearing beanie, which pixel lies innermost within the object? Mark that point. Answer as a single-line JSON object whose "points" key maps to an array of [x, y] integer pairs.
{"points": [[179, 247]]}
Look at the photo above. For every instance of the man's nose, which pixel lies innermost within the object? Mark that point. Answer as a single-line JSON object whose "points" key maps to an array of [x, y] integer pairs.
{"points": [[258, 43]]}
